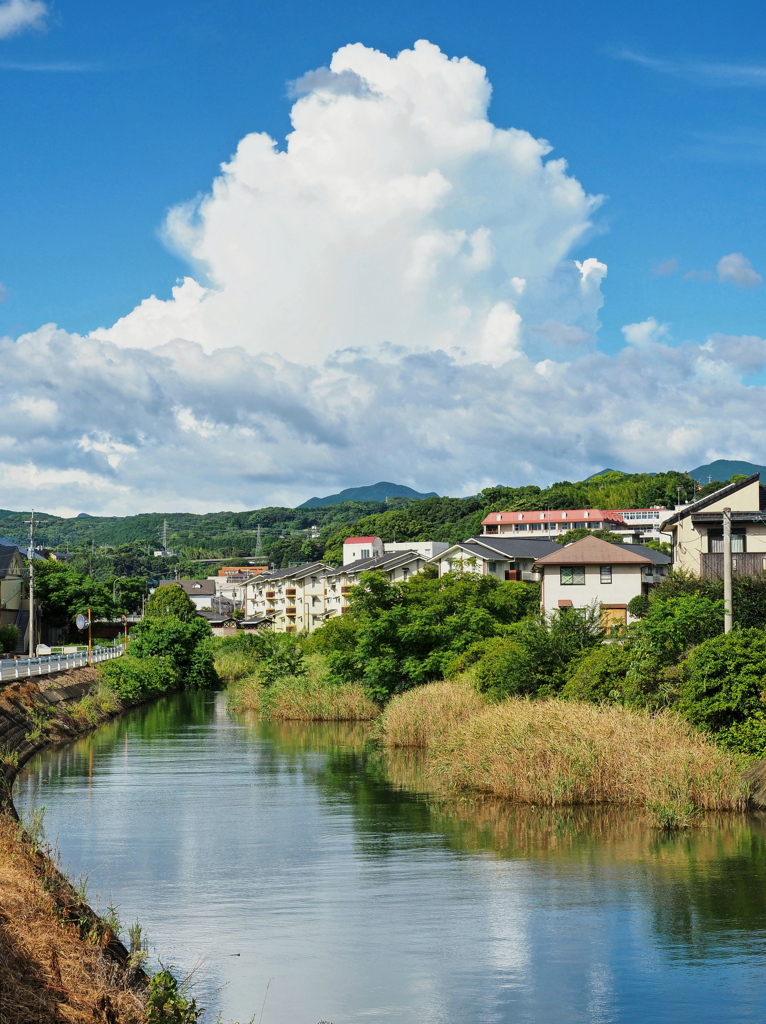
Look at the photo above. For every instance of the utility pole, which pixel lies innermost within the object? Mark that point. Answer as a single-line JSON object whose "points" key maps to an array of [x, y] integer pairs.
{"points": [[31, 553], [728, 616]]}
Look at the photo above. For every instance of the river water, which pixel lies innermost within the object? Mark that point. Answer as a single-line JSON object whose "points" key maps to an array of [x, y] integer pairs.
{"points": [[305, 877]]}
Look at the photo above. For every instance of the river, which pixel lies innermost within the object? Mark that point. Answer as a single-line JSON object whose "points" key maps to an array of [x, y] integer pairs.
{"points": [[305, 877]]}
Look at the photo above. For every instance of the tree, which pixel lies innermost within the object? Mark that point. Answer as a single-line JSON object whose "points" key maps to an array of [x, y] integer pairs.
{"points": [[9, 638], [188, 645], [581, 531], [170, 601], [724, 689], [63, 593]]}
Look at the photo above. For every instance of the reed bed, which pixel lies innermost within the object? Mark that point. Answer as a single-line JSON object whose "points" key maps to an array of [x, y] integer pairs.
{"points": [[234, 665], [556, 752], [246, 694], [427, 714], [305, 699]]}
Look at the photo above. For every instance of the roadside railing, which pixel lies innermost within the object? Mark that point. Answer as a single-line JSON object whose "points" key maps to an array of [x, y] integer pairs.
{"points": [[22, 668]]}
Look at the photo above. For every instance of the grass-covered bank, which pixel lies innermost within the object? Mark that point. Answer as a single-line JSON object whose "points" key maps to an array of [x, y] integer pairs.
{"points": [[558, 752], [270, 673]]}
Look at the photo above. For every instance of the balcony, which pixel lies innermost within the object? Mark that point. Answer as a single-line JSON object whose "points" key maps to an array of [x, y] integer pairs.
{"points": [[531, 577], [742, 564], [290, 611], [290, 592], [270, 595], [345, 590]]}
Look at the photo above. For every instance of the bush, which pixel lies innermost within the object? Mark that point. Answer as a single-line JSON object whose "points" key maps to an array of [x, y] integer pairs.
{"points": [[599, 675], [638, 606], [172, 600], [673, 626], [504, 667], [723, 689], [187, 644], [9, 638], [133, 679]]}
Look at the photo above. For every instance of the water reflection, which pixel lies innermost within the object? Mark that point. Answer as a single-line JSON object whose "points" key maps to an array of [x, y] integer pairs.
{"points": [[334, 869]]}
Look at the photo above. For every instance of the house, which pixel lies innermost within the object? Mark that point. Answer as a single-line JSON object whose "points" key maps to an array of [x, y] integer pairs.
{"points": [[361, 547], [696, 530], [549, 522], [594, 571], [293, 598], [14, 602], [220, 624], [643, 522], [202, 594], [398, 567], [426, 548], [507, 558]]}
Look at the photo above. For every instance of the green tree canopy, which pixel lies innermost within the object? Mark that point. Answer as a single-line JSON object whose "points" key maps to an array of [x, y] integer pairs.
{"points": [[171, 601]]}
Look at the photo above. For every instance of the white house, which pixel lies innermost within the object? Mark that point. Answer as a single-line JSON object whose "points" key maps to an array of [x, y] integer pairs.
{"points": [[507, 558], [202, 594], [595, 571]]}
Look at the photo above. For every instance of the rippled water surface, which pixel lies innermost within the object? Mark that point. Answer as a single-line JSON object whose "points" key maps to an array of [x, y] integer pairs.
{"points": [[290, 865]]}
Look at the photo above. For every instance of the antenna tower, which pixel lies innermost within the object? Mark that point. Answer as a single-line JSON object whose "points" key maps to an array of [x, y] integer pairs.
{"points": [[258, 540]]}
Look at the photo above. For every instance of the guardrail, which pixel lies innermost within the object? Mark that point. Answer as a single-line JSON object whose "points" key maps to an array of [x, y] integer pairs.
{"points": [[22, 668]]}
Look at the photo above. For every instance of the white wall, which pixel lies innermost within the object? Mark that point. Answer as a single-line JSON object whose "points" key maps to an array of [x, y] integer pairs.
{"points": [[426, 548], [355, 552], [625, 585]]}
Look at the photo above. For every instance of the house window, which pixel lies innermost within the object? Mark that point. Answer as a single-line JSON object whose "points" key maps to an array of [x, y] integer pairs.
{"points": [[536, 526], [520, 526], [715, 542], [606, 574], [572, 575], [405, 572], [365, 553], [491, 566]]}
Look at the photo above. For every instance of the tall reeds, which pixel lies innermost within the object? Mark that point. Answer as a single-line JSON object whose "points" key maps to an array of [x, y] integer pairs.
{"points": [[426, 714], [556, 752]]}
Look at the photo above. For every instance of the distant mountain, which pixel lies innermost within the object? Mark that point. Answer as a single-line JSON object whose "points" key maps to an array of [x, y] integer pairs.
{"points": [[601, 473], [724, 469], [372, 492]]}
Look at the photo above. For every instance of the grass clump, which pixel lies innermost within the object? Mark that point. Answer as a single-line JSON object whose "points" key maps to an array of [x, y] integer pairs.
{"points": [[555, 752], [428, 713], [233, 665]]}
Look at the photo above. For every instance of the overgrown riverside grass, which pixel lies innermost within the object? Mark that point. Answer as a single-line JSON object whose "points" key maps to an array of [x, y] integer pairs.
{"points": [[52, 964], [426, 714], [555, 752], [233, 665], [311, 697]]}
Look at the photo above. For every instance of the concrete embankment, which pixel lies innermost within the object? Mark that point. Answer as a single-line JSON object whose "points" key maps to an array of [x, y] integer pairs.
{"points": [[58, 960]]}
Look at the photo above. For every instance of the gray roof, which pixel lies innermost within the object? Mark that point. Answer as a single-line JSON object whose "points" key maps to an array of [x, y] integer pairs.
{"points": [[392, 560], [7, 554], [194, 588], [215, 618], [655, 557], [508, 548]]}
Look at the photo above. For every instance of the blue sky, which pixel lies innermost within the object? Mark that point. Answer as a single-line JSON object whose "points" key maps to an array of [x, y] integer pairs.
{"points": [[93, 158], [114, 115]]}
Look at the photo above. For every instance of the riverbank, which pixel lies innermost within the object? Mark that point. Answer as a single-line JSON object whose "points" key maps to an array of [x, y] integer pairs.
{"points": [[59, 961]]}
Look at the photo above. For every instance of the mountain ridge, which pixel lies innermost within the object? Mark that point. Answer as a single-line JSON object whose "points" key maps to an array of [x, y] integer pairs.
{"points": [[369, 492]]}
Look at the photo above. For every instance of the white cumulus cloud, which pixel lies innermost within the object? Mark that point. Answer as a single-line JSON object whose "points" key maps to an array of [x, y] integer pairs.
{"points": [[18, 15], [737, 269], [391, 294]]}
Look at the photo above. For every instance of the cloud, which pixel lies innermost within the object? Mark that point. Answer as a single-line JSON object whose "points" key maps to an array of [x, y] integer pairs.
{"points": [[666, 267], [700, 72], [339, 83], [648, 332], [49, 66], [18, 15], [393, 294], [736, 269]]}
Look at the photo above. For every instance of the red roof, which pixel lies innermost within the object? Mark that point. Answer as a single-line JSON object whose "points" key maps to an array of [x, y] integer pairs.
{"points": [[360, 540], [579, 515]]}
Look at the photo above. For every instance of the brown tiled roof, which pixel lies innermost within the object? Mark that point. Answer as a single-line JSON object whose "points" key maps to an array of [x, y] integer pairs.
{"points": [[593, 551]]}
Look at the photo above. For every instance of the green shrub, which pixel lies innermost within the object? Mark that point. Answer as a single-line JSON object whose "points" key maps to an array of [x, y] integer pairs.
{"points": [[673, 626], [9, 638], [172, 600], [504, 668], [638, 606], [599, 675], [133, 678], [187, 644], [723, 689]]}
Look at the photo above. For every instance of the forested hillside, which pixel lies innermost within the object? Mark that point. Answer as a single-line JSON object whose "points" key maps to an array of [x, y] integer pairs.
{"points": [[124, 545]]}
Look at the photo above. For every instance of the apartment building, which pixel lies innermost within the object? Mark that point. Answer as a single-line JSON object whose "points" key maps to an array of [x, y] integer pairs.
{"points": [[549, 523], [507, 558]]}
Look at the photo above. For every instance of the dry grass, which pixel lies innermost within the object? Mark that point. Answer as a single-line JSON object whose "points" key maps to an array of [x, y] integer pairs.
{"points": [[558, 752], [427, 714], [49, 973]]}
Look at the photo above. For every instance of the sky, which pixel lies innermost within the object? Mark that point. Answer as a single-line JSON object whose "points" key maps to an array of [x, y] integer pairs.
{"points": [[253, 253]]}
